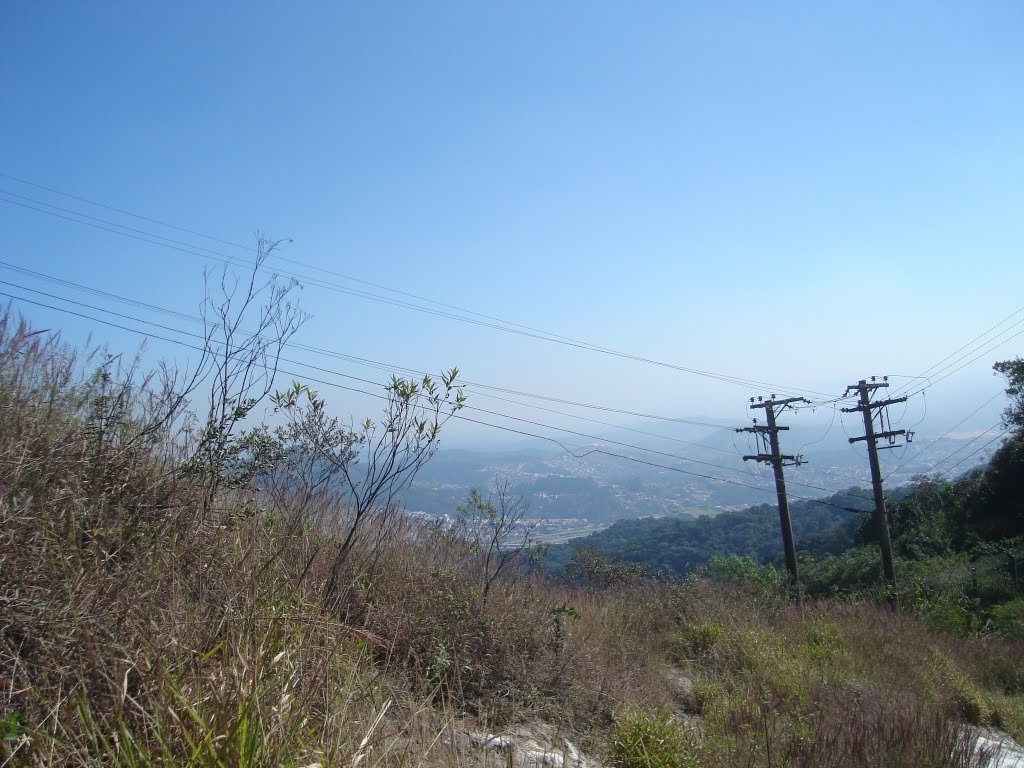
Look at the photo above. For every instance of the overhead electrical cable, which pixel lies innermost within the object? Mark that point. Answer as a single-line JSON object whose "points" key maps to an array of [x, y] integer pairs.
{"points": [[928, 446], [646, 433], [388, 367], [490, 322], [198, 250], [1002, 434], [370, 381], [377, 384], [966, 445], [123, 211], [927, 371], [992, 345], [251, 249]]}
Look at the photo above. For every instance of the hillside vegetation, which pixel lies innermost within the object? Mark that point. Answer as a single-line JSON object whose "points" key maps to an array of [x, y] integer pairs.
{"points": [[958, 545], [182, 591], [680, 545]]}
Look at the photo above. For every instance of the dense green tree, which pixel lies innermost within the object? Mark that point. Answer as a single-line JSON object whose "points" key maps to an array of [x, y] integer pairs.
{"points": [[995, 502], [921, 518], [592, 567], [1013, 372], [679, 545]]}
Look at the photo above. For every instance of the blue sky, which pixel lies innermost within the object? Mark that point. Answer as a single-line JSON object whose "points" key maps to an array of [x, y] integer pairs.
{"points": [[802, 194]]}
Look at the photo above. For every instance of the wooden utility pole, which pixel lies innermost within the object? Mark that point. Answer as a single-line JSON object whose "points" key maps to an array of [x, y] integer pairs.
{"points": [[867, 408], [770, 454]]}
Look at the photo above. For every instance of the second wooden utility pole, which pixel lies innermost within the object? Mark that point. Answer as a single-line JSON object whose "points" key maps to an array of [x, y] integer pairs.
{"points": [[769, 437], [867, 409]]}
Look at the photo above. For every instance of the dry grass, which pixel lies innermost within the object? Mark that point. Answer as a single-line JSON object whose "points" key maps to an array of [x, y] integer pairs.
{"points": [[138, 631]]}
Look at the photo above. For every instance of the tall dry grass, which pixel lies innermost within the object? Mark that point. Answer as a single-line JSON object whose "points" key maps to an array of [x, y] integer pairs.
{"points": [[139, 630]]}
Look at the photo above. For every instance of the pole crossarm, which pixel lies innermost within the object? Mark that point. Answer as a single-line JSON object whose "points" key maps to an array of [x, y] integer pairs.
{"points": [[880, 435], [876, 404], [784, 402], [865, 385], [768, 457]]}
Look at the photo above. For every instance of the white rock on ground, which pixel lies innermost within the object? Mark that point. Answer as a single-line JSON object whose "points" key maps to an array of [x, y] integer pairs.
{"points": [[999, 747], [528, 747]]}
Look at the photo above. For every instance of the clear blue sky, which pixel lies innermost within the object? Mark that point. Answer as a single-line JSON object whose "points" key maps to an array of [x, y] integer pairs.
{"points": [[796, 193]]}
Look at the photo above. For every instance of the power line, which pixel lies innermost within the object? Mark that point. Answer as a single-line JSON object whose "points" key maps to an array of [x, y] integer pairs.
{"points": [[639, 414], [322, 381], [126, 213], [489, 322], [606, 423], [979, 450], [661, 466], [925, 373], [205, 253], [387, 366], [218, 255], [828, 430], [370, 381], [966, 445], [993, 344], [544, 333], [459, 416], [251, 249], [927, 447]]}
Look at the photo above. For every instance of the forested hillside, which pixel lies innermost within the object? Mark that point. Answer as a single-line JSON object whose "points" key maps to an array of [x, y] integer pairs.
{"points": [[680, 545]]}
